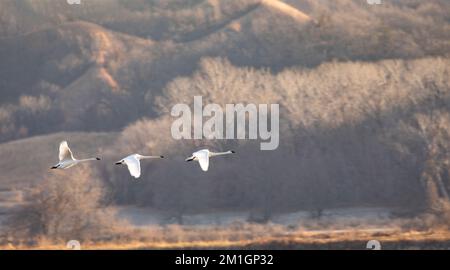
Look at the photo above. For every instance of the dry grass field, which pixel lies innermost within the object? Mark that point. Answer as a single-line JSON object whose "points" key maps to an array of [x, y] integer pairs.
{"points": [[224, 239]]}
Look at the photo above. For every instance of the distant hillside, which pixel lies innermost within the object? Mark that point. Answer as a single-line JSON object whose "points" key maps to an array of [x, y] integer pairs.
{"points": [[287, 10], [99, 66]]}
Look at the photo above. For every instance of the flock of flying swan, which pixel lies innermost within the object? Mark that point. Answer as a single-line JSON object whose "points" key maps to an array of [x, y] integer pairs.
{"points": [[133, 161]]}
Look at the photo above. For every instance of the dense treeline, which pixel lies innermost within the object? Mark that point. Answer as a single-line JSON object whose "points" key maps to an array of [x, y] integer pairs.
{"points": [[351, 134]]}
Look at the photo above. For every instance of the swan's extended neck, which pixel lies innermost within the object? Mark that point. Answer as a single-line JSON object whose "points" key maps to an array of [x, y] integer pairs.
{"points": [[213, 154], [148, 157], [87, 159]]}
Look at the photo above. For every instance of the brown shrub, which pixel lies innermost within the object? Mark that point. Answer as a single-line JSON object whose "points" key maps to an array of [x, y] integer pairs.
{"points": [[67, 205]]}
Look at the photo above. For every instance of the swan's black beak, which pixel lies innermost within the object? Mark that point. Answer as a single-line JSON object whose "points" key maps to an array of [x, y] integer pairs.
{"points": [[98, 158], [118, 163], [54, 167], [161, 156], [234, 152], [189, 159]]}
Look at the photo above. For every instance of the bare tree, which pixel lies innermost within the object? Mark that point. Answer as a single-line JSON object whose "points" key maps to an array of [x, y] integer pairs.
{"points": [[66, 205]]}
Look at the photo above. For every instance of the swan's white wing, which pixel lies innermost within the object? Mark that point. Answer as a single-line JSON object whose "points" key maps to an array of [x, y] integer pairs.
{"points": [[203, 159], [64, 151], [134, 166]]}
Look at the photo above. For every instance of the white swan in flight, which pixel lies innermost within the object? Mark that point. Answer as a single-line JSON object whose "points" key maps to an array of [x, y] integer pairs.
{"points": [[203, 156], [133, 163], [66, 159]]}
